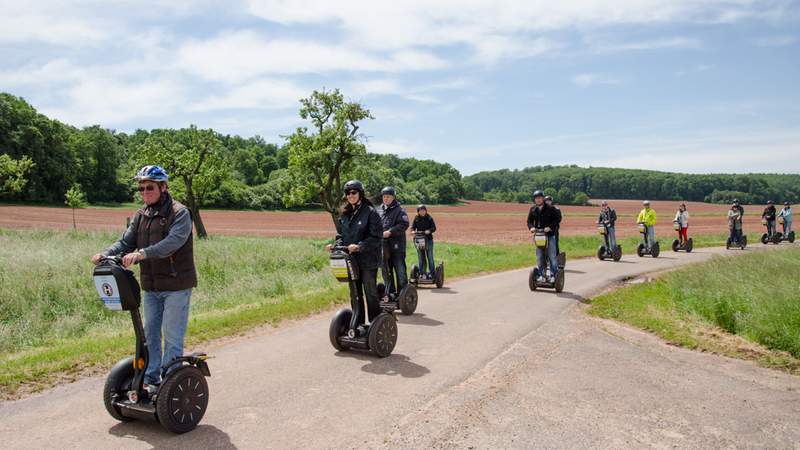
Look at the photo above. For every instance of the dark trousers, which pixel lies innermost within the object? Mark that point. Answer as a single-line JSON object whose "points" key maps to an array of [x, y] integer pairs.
{"points": [[426, 264], [394, 266], [366, 288]]}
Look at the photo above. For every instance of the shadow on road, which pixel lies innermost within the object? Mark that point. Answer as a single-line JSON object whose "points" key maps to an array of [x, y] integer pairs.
{"points": [[573, 271], [444, 290], [204, 436], [571, 296], [392, 365], [419, 319]]}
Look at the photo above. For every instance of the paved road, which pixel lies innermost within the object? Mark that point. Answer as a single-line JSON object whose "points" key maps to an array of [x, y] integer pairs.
{"points": [[484, 363]]}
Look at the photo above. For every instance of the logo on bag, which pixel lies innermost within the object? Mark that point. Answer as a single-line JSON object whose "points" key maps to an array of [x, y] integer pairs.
{"points": [[108, 290]]}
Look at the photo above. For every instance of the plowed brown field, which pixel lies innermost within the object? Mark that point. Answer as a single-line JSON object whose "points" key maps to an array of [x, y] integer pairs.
{"points": [[472, 222]]}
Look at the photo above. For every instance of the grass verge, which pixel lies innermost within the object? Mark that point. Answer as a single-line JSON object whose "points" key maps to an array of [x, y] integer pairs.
{"points": [[52, 326], [745, 307]]}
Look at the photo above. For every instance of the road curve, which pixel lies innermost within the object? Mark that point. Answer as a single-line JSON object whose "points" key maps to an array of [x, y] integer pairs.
{"points": [[461, 375]]}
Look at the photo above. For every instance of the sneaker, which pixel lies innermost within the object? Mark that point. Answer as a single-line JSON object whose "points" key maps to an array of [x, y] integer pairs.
{"points": [[552, 279], [540, 279], [151, 389]]}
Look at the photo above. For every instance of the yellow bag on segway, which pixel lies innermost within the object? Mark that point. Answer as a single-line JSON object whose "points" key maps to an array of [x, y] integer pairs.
{"points": [[764, 222], [601, 230], [642, 228], [780, 220], [676, 226], [339, 267], [540, 239]]}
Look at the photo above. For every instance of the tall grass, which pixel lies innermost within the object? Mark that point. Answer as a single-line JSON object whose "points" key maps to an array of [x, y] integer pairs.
{"points": [[755, 296]]}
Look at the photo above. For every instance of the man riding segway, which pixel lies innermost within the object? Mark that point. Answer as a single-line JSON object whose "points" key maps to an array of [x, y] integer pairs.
{"points": [[395, 222], [543, 217]]}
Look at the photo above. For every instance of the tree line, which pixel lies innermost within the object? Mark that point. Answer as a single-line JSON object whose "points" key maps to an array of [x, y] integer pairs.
{"points": [[576, 185]]}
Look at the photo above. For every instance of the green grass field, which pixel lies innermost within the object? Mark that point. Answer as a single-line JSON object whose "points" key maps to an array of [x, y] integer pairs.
{"points": [[754, 296], [51, 321]]}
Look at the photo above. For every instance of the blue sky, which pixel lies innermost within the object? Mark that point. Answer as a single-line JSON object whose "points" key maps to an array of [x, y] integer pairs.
{"points": [[695, 86]]}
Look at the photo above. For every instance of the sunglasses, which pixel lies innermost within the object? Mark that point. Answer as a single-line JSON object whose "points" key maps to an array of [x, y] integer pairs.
{"points": [[352, 192], [147, 188]]}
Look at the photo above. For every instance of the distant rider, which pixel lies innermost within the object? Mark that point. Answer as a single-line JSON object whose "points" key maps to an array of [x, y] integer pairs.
{"points": [[682, 219], [735, 223], [395, 223], [786, 213], [608, 218], [647, 216], [545, 217], [769, 215], [549, 200], [423, 223]]}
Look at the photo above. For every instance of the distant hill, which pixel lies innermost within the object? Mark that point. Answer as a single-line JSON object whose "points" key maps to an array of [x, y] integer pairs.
{"points": [[575, 185]]}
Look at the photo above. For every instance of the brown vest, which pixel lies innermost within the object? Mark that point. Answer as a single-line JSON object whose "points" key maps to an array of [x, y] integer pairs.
{"points": [[176, 272]]}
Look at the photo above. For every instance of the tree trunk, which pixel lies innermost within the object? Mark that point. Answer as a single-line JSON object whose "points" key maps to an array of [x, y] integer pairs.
{"points": [[198, 224], [194, 209], [74, 224]]}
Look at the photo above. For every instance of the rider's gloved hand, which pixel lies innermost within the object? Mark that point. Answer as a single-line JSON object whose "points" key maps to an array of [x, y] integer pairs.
{"points": [[353, 248]]}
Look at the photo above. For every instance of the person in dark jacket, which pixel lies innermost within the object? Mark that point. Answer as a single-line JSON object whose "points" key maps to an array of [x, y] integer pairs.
{"points": [[549, 201], [424, 223], [544, 217], [359, 228], [160, 239], [608, 218], [395, 223], [769, 215]]}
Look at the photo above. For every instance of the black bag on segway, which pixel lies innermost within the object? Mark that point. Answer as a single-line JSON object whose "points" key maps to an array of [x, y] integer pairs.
{"points": [[117, 286]]}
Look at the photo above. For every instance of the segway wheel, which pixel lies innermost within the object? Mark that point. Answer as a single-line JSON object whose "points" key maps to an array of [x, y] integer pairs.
{"points": [[676, 244], [381, 289], [414, 273], [383, 335], [656, 250], [532, 278], [117, 384], [440, 276], [601, 253], [561, 260], [408, 302], [764, 238], [617, 253], [744, 242], [728, 244], [690, 245], [640, 250], [791, 237], [339, 326], [182, 400], [559, 281]]}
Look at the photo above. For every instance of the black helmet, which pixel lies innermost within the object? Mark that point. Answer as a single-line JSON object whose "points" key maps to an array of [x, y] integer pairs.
{"points": [[785, 203], [354, 184], [538, 194], [770, 202], [548, 198], [736, 201], [421, 206], [388, 190]]}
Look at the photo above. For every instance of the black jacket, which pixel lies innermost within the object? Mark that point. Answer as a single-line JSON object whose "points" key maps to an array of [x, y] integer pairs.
{"points": [[543, 217], [610, 216], [394, 219], [424, 224], [558, 218], [363, 228], [769, 213]]}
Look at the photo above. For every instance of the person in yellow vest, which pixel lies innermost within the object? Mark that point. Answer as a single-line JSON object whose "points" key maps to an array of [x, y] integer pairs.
{"points": [[647, 216]]}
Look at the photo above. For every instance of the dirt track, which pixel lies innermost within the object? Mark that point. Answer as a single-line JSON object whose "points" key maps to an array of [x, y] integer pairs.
{"points": [[474, 222]]}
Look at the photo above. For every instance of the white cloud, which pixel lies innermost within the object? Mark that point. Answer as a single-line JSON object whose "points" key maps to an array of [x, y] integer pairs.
{"points": [[678, 42], [775, 41], [396, 147], [259, 94], [585, 80]]}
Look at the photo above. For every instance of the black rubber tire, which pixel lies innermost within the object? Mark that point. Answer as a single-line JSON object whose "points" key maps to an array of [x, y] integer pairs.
{"points": [[118, 382], [728, 244], [764, 238], [601, 252], [561, 260], [408, 302], [560, 279], [744, 242], [656, 250], [382, 335], [640, 250], [532, 278], [414, 273], [182, 400], [339, 326], [617, 255], [690, 245], [440, 276], [791, 237], [676, 244]]}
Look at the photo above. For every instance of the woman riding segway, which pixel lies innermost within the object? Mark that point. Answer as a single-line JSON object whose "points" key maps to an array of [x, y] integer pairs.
{"points": [[681, 222], [785, 219], [423, 228], [736, 239]]}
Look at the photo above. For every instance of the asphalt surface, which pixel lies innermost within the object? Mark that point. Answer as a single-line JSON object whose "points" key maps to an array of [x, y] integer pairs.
{"points": [[484, 363]]}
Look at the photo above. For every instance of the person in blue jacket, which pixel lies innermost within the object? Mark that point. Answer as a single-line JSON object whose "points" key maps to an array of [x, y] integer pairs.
{"points": [[395, 223]]}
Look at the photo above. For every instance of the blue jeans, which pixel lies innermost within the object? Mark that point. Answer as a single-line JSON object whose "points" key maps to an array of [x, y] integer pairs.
{"points": [[426, 255], [651, 236], [166, 311], [552, 253], [787, 227], [395, 266], [612, 238], [770, 227]]}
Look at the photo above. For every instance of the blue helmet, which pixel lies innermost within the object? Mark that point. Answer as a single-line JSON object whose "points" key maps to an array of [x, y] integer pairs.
{"points": [[151, 173]]}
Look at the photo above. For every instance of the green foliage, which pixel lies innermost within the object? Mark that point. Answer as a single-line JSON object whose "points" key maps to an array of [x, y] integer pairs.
{"points": [[580, 199], [318, 159], [564, 183], [12, 174], [75, 198]]}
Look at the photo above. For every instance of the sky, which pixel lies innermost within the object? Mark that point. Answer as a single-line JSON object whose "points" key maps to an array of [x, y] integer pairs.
{"points": [[690, 86]]}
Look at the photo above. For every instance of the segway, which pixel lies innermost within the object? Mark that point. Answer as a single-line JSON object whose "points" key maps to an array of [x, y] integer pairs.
{"points": [[540, 240], [180, 402], [677, 245], [784, 236], [605, 251], [775, 237], [380, 336], [733, 243], [421, 244], [654, 248]]}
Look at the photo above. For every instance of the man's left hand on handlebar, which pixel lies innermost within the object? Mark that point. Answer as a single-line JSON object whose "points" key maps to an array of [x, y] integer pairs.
{"points": [[132, 258], [353, 248]]}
